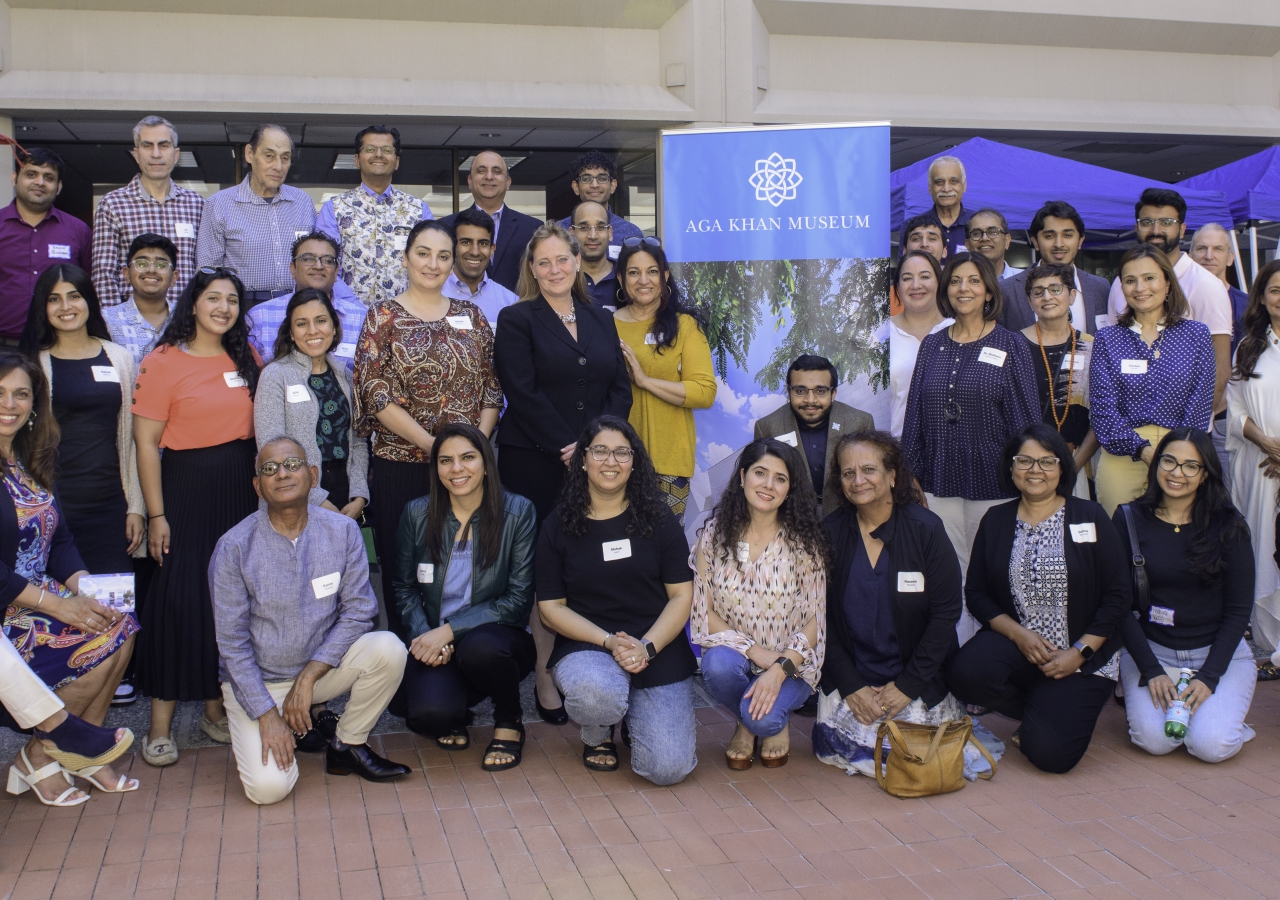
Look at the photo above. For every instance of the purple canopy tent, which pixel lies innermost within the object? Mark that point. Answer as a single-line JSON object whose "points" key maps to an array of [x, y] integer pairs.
{"points": [[1252, 188]]}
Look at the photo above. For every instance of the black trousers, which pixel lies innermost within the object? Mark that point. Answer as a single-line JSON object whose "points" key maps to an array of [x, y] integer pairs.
{"points": [[391, 486], [532, 474], [1058, 715], [489, 661], [333, 478]]}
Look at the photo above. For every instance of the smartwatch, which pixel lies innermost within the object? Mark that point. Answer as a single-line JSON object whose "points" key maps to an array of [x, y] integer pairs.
{"points": [[788, 667], [651, 650], [1085, 650]]}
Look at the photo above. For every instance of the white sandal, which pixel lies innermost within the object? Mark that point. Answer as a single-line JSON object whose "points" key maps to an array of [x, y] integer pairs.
{"points": [[20, 783], [123, 785]]}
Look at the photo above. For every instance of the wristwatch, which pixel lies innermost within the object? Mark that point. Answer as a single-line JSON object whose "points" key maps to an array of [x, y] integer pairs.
{"points": [[788, 667], [1085, 650], [651, 650]]}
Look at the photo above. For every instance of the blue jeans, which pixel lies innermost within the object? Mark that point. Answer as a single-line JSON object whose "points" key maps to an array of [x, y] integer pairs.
{"points": [[727, 674], [598, 694], [1217, 730]]}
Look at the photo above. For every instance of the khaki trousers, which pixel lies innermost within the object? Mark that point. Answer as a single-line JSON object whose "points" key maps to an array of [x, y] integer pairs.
{"points": [[1121, 479], [371, 670], [22, 692]]}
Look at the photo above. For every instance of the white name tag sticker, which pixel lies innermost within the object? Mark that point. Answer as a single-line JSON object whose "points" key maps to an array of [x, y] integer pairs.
{"points": [[345, 351], [911, 582], [1101, 321], [614, 250], [992, 357], [789, 438], [59, 251], [617, 550], [298, 234], [296, 393], [326, 584], [105, 373], [234, 380], [1084, 533], [744, 551], [1133, 367], [462, 323], [650, 338], [835, 426], [399, 241], [1073, 363], [184, 229], [426, 573], [1161, 615]]}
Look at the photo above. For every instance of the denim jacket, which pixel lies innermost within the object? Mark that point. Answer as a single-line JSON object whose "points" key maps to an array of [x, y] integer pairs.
{"points": [[501, 593]]}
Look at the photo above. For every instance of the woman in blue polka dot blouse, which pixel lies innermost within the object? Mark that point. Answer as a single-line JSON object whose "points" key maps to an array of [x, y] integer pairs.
{"points": [[1150, 372], [973, 389]]}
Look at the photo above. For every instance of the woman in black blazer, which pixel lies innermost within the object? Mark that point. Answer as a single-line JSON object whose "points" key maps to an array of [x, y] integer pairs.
{"points": [[1049, 581], [893, 601], [561, 366]]}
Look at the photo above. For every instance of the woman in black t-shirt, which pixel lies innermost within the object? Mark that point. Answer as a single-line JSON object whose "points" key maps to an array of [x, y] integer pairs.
{"points": [[614, 583]]}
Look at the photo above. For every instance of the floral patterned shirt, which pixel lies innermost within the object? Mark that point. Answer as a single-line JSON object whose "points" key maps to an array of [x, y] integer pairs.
{"points": [[765, 602], [436, 372], [371, 229]]}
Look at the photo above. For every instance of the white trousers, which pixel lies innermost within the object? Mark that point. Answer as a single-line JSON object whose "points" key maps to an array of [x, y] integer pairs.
{"points": [[371, 670], [962, 517], [22, 692]]}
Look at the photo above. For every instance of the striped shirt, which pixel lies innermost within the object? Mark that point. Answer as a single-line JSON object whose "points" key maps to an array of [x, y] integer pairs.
{"points": [[252, 235], [130, 211]]}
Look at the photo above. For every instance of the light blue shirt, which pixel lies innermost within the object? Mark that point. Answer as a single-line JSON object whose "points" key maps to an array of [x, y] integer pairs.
{"points": [[455, 596], [266, 318], [491, 296]]}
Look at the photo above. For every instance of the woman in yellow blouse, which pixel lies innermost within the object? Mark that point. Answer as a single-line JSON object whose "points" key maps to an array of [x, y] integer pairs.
{"points": [[669, 362]]}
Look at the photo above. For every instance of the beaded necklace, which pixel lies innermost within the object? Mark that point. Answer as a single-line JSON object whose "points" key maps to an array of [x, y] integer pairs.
{"points": [[1071, 372]]}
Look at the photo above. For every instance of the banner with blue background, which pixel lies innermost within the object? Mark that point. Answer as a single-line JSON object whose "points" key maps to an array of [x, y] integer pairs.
{"points": [[780, 235]]}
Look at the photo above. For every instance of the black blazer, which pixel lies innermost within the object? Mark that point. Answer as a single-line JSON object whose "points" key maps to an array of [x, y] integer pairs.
{"points": [[1098, 592], [925, 621], [555, 385], [513, 237], [1015, 309]]}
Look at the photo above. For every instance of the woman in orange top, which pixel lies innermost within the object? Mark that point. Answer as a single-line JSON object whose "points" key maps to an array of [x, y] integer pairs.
{"points": [[194, 400]]}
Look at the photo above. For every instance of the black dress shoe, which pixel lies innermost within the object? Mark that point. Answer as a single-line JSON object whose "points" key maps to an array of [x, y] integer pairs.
{"points": [[551, 716], [324, 726], [361, 760]]}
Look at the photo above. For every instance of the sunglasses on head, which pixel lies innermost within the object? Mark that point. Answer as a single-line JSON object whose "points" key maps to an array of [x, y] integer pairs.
{"points": [[217, 270], [637, 241]]}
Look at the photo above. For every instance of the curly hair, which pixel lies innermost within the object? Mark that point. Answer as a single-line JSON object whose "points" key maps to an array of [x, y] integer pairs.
{"points": [[36, 443], [182, 324], [905, 487], [798, 514], [644, 498]]}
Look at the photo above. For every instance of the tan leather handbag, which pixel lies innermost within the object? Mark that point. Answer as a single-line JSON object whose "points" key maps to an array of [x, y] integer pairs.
{"points": [[926, 759]]}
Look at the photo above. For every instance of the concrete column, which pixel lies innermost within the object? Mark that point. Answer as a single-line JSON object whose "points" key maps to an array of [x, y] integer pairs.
{"points": [[746, 63], [691, 58], [6, 163]]}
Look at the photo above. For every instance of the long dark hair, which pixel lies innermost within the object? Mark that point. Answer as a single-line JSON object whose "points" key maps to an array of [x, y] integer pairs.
{"points": [[182, 324], [905, 487], [798, 514], [666, 321], [644, 498], [1215, 522], [36, 444], [1175, 302], [1257, 324], [486, 522], [39, 334], [284, 337]]}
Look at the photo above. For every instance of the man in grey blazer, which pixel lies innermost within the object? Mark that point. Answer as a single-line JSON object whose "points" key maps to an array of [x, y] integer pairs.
{"points": [[1057, 233], [813, 421]]}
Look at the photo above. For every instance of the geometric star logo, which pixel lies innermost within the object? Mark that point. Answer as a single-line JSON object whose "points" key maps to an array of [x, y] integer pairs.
{"points": [[775, 179]]}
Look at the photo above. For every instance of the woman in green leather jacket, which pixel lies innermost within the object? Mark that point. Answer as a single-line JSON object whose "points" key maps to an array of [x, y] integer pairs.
{"points": [[464, 588]]}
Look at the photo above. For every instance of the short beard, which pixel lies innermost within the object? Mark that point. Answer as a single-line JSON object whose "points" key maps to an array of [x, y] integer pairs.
{"points": [[1156, 239]]}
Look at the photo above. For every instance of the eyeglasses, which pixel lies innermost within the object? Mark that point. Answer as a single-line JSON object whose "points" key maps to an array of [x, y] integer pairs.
{"points": [[1053, 290], [1046, 463], [310, 259], [979, 233], [650, 241], [591, 229], [621, 455], [271, 467], [1166, 222], [378, 151], [146, 265], [1190, 468], [217, 270], [603, 178], [801, 392]]}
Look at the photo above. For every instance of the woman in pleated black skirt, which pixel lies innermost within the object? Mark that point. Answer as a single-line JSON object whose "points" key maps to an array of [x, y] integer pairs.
{"points": [[194, 400]]}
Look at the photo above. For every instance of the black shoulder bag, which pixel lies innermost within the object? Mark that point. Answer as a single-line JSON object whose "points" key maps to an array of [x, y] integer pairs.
{"points": [[1141, 586]]}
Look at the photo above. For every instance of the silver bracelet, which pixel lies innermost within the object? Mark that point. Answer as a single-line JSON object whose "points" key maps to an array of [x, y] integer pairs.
{"points": [[41, 600]]}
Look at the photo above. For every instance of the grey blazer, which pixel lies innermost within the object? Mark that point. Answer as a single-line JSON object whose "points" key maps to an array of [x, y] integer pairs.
{"points": [[274, 415], [1016, 314], [844, 420]]}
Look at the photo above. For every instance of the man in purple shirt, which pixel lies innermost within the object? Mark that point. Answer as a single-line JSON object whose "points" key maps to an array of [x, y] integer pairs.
{"points": [[35, 235]]}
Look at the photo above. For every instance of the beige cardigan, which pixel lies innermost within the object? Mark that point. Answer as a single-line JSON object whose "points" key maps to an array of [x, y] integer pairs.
{"points": [[122, 359]]}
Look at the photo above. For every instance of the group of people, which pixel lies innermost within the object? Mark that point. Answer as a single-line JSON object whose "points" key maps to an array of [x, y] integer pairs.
{"points": [[508, 405]]}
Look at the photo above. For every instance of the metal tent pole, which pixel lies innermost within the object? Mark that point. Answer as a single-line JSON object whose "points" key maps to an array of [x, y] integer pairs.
{"points": [[1235, 250], [1253, 251]]}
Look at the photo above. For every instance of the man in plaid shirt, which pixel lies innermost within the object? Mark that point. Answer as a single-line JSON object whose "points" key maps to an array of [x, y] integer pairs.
{"points": [[149, 204]]}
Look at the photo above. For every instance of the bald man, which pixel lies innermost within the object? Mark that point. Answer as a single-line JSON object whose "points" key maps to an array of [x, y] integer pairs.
{"points": [[1211, 247], [489, 180]]}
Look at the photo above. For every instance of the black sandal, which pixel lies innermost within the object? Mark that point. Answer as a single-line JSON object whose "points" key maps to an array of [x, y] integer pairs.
{"points": [[457, 745], [604, 748], [504, 745]]}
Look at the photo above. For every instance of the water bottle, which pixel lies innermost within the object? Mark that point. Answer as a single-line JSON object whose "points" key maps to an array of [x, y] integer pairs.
{"points": [[1175, 721]]}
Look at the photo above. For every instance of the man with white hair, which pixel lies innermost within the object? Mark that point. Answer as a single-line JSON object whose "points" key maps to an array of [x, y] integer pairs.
{"points": [[1211, 247], [947, 184], [149, 204]]}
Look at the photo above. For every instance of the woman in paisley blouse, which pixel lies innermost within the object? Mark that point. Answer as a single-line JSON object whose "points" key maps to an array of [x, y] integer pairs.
{"points": [[423, 361], [77, 646], [304, 395], [760, 599], [1049, 581]]}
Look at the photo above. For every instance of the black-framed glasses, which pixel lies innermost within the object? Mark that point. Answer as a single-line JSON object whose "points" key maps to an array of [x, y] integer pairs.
{"points": [[1190, 467], [800, 392], [310, 259], [978, 234], [142, 264], [271, 467], [1046, 463], [1053, 290], [602, 178], [218, 270], [649, 241], [1164, 222], [621, 455]]}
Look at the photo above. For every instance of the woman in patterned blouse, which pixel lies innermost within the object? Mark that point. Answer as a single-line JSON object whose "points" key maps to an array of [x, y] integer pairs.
{"points": [[423, 361], [1049, 582], [760, 598]]}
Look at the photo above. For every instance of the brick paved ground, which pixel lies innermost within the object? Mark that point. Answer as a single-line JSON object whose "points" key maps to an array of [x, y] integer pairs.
{"points": [[1123, 824]]}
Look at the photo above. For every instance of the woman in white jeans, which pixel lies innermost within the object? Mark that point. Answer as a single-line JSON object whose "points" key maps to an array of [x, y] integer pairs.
{"points": [[1200, 568]]}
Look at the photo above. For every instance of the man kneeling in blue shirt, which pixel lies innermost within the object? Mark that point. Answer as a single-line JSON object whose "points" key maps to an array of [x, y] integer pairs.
{"points": [[294, 611]]}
